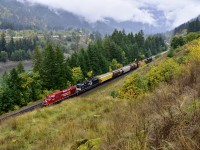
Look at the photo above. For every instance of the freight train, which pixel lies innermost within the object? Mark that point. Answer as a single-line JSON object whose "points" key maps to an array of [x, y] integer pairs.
{"points": [[89, 84]]}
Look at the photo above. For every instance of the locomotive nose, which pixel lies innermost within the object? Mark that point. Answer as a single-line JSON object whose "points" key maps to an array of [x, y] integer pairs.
{"points": [[45, 101]]}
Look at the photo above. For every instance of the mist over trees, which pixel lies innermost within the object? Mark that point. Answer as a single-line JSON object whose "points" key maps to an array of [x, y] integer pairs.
{"points": [[191, 26]]}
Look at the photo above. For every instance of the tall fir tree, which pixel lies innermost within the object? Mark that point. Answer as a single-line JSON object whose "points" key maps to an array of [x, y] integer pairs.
{"points": [[60, 72], [37, 60], [11, 47], [3, 43], [20, 68], [15, 90], [48, 68]]}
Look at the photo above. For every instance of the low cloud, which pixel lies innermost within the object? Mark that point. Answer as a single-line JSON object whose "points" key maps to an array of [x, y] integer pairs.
{"points": [[175, 12]]}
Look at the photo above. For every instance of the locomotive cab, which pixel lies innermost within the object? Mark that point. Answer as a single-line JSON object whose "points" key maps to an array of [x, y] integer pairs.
{"points": [[48, 100]]}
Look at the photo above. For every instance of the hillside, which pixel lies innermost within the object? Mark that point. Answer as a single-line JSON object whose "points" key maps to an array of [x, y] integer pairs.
{"points": [[190, 26], [17, 15], [24, 15], [164, 117]]}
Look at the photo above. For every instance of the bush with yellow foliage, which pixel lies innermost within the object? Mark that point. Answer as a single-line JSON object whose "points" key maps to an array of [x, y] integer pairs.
{"points": [[164, 72]]}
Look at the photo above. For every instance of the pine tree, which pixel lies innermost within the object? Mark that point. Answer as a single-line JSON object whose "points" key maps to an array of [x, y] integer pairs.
{"points": [[14, 88], [37, 60], [82, 62], [94, 59], [20, 68], [3, 43], [68, 72], [60, 72], [48, 68], [6, 102], [124, 59], [10, 47]]}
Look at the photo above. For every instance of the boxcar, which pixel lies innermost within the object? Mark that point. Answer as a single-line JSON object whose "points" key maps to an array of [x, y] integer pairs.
{"points": [[104, 77], [117, 73], [133, 66], [126, 68]]}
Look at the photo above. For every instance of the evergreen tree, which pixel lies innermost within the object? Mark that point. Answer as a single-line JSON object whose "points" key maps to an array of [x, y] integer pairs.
{"points": [[11, 47], [94, 59], [48, 68], [68, 72], [140, 39], [20, 68], [14, 88], [60, 72], [82, 62], [37, 60], [124, 59], [3, 56], [36, 87], [6, 102], [177, 41], [3, 43]]}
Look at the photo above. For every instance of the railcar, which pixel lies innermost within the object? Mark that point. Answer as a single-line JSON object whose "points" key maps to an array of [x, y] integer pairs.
{"points": [[134, 66], [126, 68], [148, 60], [117, 73], [105, 77]]}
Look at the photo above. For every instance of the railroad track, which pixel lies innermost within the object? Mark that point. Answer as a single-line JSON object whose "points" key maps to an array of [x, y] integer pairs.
{"points": [[37, 105]]}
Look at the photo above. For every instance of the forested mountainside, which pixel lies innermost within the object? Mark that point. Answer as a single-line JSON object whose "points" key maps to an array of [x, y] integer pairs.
{"points": [[190, 26], [17, 16]]}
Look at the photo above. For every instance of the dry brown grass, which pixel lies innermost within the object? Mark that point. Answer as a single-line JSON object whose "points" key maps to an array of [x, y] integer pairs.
{"points": [[169, 118]]}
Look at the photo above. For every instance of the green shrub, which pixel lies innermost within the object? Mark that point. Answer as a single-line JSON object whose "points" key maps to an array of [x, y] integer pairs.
{"points": [[114, 94], [3, 56], [170, 54]]}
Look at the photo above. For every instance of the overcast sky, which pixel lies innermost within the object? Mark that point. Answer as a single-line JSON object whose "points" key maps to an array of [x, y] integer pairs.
{"points": [[176, 12]]}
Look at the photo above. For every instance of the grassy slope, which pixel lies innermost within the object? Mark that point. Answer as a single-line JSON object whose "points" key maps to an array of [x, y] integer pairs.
{"points": [[166, 118], [84, 117]]}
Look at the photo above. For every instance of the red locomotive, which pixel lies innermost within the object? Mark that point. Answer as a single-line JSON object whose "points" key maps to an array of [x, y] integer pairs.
{"points": [[59, 96]]}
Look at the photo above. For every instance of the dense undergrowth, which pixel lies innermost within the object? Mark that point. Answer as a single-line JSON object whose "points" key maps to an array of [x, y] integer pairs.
{"points": [[165, 115]]}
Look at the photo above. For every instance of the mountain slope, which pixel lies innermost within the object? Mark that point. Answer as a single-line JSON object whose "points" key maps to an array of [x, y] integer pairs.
{"points": [[23, 15], [190, 26], [37, 16]]}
